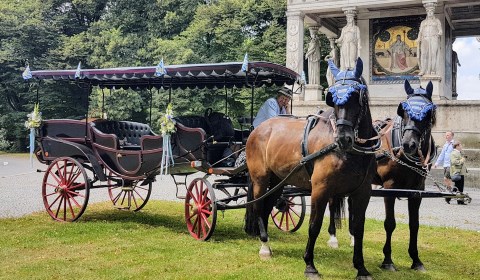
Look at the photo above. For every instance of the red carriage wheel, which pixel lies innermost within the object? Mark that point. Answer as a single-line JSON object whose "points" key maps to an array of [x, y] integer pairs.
{"points": [[289, 212], [65, 189], [127, 194], [200, 209]]}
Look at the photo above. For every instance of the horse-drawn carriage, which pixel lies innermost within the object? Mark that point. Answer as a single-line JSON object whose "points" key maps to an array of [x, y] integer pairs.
{"points": [[331, 154], [125, 156]]}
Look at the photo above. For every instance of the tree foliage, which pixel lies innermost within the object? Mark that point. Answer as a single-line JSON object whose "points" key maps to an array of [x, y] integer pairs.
{"points": [[58, 34]]}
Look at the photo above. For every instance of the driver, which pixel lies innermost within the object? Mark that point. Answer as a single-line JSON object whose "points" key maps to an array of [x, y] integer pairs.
{"points": [[274, 106]]}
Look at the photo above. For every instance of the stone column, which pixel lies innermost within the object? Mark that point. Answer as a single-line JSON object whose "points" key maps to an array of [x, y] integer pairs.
{"points": [[313, 90], [295, 45]]}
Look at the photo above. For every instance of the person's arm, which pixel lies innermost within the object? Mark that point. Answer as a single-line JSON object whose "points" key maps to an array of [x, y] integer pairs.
{"points": [[272, 108], [440, 157]]}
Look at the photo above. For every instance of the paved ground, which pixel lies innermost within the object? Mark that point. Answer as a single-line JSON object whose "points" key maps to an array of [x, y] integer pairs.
{"points": [[20, 194]]}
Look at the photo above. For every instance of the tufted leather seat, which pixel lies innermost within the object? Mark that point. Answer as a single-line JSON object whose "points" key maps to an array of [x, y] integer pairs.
{"points": [[130, 149], [128, 133]]}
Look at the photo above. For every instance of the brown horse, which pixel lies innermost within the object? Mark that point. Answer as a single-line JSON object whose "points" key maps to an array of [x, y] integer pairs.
{"points": [[412, 131], [339, 163], [409, 142]]}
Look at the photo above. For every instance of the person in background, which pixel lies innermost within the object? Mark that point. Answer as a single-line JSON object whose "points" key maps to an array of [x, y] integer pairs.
{"points": [[273, 107], [458, 168], [444, 159]]}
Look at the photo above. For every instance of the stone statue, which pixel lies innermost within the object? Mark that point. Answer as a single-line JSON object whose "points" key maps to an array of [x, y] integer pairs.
{"points": [[333, 56], [455, 63], [313, 56], [429, 42], [349, 42]]}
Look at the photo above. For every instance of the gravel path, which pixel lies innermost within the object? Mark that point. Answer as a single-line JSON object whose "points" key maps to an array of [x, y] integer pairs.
{"points": [[20, 194]]}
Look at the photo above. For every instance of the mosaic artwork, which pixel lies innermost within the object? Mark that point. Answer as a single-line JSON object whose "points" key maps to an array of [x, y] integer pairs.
{"points": [[394, 49]]}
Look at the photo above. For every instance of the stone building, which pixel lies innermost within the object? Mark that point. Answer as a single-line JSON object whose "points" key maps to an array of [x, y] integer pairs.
{"points": [[389, 47]]}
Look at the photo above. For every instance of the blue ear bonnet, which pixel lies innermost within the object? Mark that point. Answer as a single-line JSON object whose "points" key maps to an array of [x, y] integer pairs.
{"points": [[417, 106], [345, 84]]}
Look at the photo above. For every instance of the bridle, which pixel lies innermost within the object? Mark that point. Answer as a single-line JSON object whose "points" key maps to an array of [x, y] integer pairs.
{"points": [[341, 92], [400, 128]]}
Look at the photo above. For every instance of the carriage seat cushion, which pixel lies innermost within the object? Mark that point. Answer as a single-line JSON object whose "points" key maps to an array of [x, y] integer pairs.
{"points": [[128, 133]]}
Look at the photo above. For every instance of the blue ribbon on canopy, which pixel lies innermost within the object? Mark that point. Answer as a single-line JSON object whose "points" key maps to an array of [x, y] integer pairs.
{"points": [[303, 78], [27, 74], [160, 70], [78, 72], [245, 63]]}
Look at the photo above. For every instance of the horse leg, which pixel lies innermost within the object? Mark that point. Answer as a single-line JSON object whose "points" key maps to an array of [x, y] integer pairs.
{"points": [[319, 203], [389, 224], [358, 207], [332, 229], [265, 250], [413, 223], [350, 218]]}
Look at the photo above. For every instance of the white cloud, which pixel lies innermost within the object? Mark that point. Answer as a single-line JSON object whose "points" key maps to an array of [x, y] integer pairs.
{"points": [[468, 75]]}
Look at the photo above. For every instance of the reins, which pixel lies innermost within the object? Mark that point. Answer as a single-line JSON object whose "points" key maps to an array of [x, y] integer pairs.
{"points": [[325, 150]]}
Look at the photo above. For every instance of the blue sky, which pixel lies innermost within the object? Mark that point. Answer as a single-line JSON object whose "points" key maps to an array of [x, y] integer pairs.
{"points": [[468, 76]]}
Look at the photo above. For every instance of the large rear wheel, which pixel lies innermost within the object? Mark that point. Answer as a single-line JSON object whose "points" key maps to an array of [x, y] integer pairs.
{"points": [[65, 189], [289, 212], [200, 209], [127, 194]]}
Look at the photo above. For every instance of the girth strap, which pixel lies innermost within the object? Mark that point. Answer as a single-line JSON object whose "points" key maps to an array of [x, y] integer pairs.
{"points": [[311, 122]]}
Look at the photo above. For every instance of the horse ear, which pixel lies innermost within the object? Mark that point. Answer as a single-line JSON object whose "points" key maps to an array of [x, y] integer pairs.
{"points": [[429, 89], [400, 110], [408, 88], [358, 68], [333, 67], [329, 99]]}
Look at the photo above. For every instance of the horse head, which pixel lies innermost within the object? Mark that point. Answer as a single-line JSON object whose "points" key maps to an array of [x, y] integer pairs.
{"points": [[348, 96], [418, 117]]}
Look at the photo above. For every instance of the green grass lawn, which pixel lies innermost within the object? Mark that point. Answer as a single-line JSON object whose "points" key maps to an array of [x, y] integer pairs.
{"points": [[154, 244]]}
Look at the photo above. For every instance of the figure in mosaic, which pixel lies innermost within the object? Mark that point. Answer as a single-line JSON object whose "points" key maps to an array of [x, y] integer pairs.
{"points": [[398, 51], [313, 57], [428, 41], [349, 42]]}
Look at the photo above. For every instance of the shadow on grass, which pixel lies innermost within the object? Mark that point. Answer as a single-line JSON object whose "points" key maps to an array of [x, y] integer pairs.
{"points": [[172, 221]]}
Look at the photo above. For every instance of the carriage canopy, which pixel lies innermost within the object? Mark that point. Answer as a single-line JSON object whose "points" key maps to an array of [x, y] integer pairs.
{"points": [[214, 75]]}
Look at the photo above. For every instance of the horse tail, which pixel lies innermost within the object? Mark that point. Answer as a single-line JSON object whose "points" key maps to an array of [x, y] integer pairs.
{"points": [[251, 217], [338, 203]]}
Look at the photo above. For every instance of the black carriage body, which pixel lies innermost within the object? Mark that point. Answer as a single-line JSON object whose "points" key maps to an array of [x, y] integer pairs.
{"points": [[127, 155]]}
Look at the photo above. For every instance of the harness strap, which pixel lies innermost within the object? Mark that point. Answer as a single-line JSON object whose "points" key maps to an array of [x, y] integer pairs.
{"points": [[311, 123], [327, 149]]}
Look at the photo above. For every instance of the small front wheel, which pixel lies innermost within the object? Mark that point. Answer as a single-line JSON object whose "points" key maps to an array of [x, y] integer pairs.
{"points": [[289, 212], [200, 209], [65, 189], [127, 194]]}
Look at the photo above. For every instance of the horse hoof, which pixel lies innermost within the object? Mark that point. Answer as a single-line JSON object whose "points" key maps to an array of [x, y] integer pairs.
{"points": [[332, 243], [364, 277], [388, 267], [418, 267], [312, 275], [265, 252]]}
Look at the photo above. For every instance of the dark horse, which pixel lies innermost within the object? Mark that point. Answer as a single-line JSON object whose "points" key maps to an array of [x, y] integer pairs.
{"points": [[409, 142], [338, 165]]}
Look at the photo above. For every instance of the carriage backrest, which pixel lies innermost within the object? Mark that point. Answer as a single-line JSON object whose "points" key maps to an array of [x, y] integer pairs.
{"points": [[126, 131]]}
